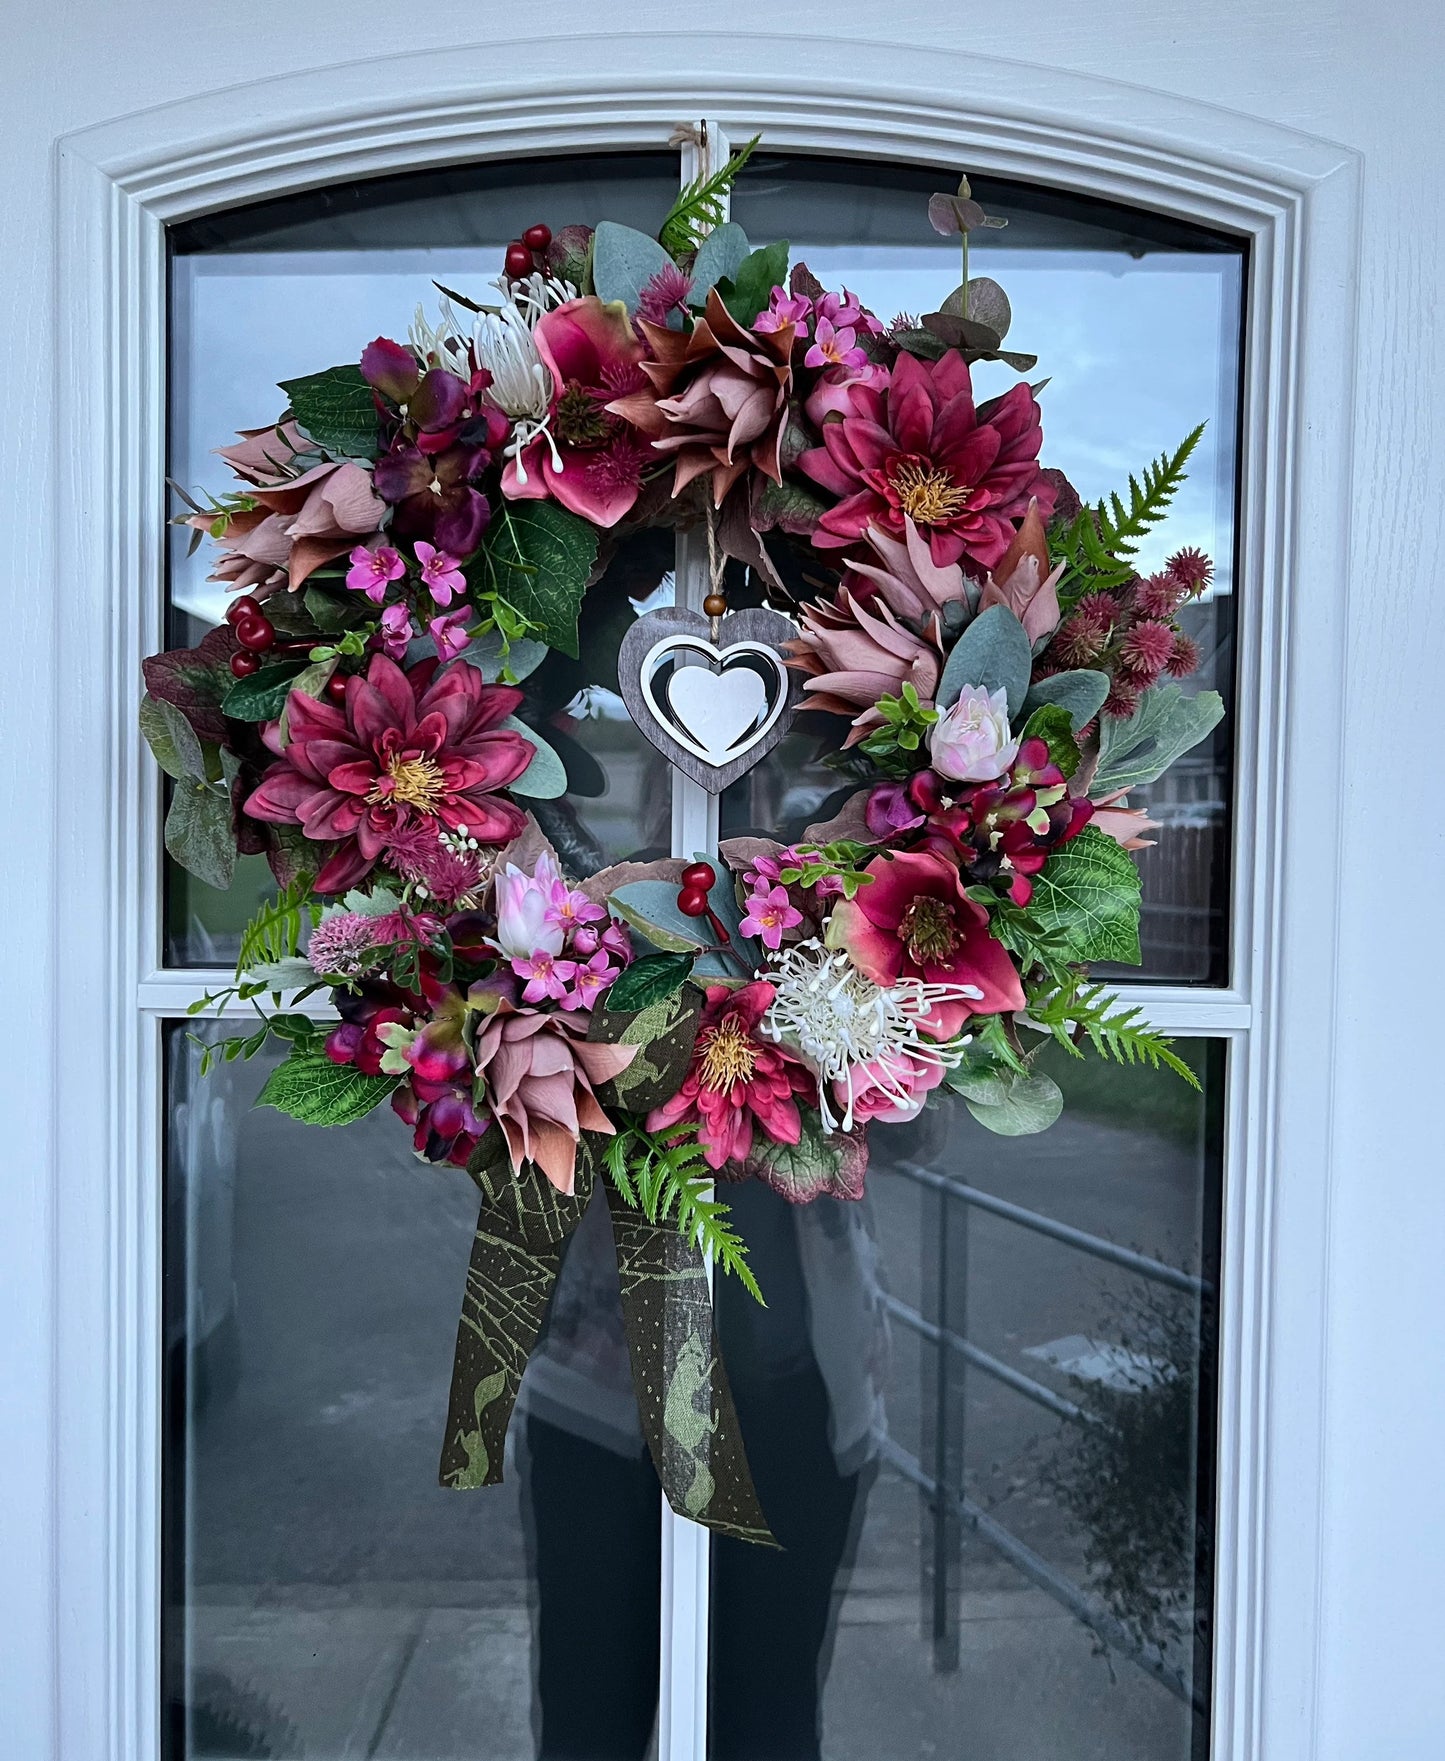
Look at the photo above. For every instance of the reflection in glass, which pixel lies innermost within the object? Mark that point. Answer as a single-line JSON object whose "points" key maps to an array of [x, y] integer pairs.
{"points": [[1137, 322], [1052, 1602], [284, 288]]}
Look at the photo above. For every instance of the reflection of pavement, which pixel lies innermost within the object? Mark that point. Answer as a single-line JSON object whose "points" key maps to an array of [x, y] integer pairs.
{"points": [[383, 1616]]}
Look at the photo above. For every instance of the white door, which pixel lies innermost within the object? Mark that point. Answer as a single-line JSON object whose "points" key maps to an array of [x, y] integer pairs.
{"points": [[1076, 1438]]}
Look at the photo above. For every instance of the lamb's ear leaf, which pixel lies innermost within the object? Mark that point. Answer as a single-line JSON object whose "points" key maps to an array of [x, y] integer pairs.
{"points": [[1081, 692], [172, 739], [199, 833], [993, 653], [623, 262], [1164, 726], [544, 779]]}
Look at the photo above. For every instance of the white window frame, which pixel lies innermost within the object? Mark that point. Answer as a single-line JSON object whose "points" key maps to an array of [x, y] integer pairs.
{"points": [[1295, 198]]}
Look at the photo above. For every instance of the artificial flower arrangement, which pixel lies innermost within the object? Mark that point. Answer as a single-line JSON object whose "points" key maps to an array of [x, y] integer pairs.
{"points": [[412, 540]]}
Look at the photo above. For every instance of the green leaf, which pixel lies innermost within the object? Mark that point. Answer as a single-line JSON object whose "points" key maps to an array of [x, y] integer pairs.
{"points": [[330, 612], [1164, 726], [1088, 892], [649, 980], [746, 293], [489, 654], [262, 697], [335, 410], [1081, 692], [311, 680], [311, 1088], [172, 739], [276, 930], [788, 506], [651, 908], [1102, 542], [993, 654], [700, 205], [1113, 1029], [1053, 726], [1007, 1103], [538, 557], [545, 778], [623, 262], [721, 253], [199, 834]]}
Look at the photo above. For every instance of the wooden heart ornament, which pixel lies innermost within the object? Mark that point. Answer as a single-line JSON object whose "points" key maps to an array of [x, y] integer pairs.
{"points": [[713, 708]]}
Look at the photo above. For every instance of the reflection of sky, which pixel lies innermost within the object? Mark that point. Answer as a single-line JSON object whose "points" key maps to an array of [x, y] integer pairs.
{"points": [[1136, 351]]}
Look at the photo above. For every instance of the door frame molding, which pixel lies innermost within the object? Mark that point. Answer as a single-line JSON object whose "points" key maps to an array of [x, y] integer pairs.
{"points": [[120, 184]]}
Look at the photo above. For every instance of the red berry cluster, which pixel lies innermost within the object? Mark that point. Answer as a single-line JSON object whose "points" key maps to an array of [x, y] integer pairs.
{"points": [[696, 882], [257, 636], [1131, 633], [524, 255]]}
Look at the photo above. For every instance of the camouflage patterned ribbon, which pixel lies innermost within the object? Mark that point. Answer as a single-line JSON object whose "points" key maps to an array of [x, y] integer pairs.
{"points": [[683, 1398]]}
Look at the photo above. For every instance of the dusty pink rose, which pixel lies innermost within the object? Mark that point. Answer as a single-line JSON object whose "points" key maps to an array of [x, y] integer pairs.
{"points": [[893, 1089]]}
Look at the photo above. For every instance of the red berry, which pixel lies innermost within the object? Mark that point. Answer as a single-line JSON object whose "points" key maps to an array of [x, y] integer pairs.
{"points": [[255, 633], [518, 261], [244, 607], [699, 875], [336, 687], [537, 238], [243, 663], [692, 902]]}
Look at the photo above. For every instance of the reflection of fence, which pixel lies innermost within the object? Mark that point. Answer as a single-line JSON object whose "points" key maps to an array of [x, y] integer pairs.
{"points": [[1183, 874], [950, 1510]]}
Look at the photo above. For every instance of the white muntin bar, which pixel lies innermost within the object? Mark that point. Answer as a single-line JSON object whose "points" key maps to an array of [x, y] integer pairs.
{"points": [[683, 1671]]}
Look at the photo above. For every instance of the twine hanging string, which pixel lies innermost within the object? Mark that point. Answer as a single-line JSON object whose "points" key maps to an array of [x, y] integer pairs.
{"points": [[715, 605]]}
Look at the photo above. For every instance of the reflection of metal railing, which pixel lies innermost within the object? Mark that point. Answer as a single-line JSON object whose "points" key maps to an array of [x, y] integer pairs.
{"points": [[950, 1509]]}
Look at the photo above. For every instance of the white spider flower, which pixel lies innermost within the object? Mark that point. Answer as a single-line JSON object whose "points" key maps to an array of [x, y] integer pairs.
{"points": [[503, 343], [837, 1020]]}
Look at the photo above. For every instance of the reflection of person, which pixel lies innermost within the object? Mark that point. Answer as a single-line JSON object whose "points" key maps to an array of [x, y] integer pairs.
{"points": [[805, 1373]]}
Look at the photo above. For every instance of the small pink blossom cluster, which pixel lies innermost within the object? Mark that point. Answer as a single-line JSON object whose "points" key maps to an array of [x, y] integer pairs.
{"points": [[375, 565], [769, 912], [835, 321], [563, 944]]}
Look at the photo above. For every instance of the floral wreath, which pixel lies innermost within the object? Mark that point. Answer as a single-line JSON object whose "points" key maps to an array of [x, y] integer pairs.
{"points": [[411, 550]]}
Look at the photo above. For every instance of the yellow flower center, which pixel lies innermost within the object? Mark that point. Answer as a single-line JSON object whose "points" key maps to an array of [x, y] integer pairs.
{"points": [[410, 782], [927, 930], [929, 496], [728, 1056]]}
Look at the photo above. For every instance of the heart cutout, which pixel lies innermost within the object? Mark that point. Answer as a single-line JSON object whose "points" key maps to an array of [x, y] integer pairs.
{"points": [[724, 703]]}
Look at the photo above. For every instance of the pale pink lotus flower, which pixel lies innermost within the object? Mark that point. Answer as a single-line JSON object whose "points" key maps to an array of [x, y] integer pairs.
{"points": [[521, 903], [1023, 581], [971, 741]]}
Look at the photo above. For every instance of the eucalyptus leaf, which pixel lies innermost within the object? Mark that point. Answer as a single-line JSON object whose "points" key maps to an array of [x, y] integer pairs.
{"points": [[721, 253], [1081, 692], [651, 909], [545, 777], [199, 834], [311, 1088], [623, 262], [523, 656], [993, 653], [1164, 726], [172, 739], [1007, 1103]]}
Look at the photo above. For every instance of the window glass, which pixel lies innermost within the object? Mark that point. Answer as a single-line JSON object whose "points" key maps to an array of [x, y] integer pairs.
{"points": [[1052, 1601], [1137, 323]]}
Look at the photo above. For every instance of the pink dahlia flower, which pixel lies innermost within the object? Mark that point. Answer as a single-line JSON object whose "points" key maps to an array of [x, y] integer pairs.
{"points": [[737, 1080], [593, 464], [404, 746], [915, 921], [921, 450]]}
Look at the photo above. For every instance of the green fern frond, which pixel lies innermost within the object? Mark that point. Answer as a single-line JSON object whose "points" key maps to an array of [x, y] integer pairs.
{"points": [[1114, 1030], [275, 932], [699, 208], [1100, 546], [664, 1175]]}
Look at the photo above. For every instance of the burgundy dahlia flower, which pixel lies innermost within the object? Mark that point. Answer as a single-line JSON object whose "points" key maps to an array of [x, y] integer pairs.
{"points": [[404, 746], [920, 450]]}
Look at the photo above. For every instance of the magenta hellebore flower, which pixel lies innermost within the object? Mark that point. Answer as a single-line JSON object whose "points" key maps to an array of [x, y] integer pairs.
{"points": [[404, 746], [588, 459], [920, 450]]}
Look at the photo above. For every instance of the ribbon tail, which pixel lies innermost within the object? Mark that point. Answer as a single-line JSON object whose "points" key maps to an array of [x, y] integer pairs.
{"points": [[516, 1255], [683, 1397]]}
